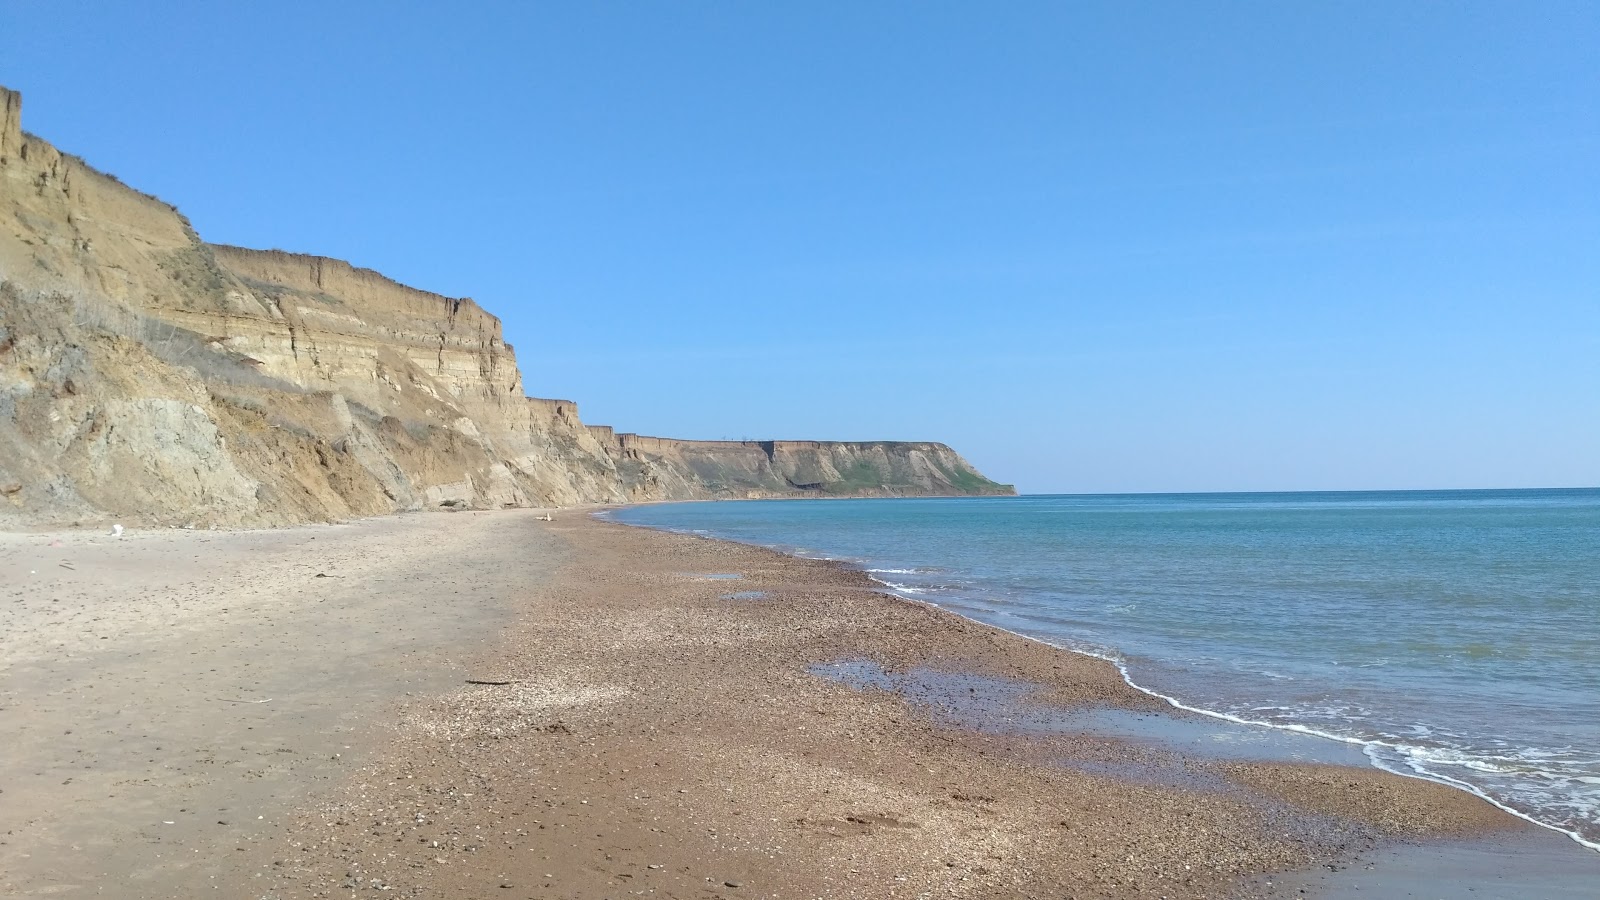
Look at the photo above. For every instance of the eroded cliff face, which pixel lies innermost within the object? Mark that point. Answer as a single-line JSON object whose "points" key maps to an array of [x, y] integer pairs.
{"points": [[754, 469], [148, 376]]}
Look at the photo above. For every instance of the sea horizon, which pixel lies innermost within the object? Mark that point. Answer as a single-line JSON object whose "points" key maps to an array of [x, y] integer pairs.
{"points": [[1427, 490]]}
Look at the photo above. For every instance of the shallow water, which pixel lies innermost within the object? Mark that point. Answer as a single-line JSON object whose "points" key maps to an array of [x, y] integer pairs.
{"points": [[988, 703], [1453, 635]]}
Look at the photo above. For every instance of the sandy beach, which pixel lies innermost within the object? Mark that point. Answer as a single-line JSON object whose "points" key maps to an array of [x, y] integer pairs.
{"points": [[491, 705]]}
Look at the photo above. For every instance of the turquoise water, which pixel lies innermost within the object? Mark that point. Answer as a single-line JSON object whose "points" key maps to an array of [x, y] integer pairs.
{"points": [[1453, 634]]}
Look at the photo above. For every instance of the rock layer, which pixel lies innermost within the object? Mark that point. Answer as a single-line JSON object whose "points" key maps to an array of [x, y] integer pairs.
{"points": [[149, 376]]}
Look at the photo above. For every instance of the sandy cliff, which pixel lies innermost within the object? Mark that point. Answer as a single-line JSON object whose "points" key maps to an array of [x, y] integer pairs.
{"points": [[149, 376]]}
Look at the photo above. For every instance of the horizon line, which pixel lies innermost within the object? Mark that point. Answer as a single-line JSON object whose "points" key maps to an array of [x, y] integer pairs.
{"points": [[1305, 491]]}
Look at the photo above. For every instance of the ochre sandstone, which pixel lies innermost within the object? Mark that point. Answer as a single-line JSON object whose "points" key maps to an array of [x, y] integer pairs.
{"points": [[148, 376]]}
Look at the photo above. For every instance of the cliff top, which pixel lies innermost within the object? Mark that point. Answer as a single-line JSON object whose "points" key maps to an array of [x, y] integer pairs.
{"points": [[318, 272]]}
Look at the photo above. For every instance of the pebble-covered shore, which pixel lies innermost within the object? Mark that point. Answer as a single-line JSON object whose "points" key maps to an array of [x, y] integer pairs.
{"points": [[651, 727]]}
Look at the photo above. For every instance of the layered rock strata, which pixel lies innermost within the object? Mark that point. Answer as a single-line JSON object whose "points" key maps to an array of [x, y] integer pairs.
{"points": [[146, 375]]}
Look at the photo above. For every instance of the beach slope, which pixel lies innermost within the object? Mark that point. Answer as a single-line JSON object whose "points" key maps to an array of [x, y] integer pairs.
{"points": [[489, 704]]}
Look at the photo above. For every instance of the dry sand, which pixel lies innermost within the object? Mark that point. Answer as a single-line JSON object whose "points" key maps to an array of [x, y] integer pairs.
{"points": [[633, 732], [167, 697]]}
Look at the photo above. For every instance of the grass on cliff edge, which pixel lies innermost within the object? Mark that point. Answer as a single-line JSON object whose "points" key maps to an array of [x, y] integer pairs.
{"points": [[861, 476], [864, 476]]}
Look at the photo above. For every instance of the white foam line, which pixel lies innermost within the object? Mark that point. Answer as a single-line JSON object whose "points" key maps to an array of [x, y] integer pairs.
{"points": [[899, 589], [1367, 746]]}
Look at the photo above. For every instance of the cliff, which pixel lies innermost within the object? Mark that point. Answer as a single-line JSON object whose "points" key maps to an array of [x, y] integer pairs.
{"points": [[146, 375]]}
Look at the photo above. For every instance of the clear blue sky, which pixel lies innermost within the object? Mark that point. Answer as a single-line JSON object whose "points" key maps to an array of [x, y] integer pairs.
{"points": [[1095, 247]]}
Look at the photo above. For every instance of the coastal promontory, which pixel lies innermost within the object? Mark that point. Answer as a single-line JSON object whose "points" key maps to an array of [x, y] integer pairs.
{"points": [[149, 376]]}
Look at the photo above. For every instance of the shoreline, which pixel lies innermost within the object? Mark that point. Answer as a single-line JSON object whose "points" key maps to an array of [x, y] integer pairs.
{"points": [[617, 726], [1113, 659], [1183, 707]]}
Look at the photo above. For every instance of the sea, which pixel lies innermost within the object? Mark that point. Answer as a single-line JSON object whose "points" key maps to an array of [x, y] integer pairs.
{"points": [[1451, 635]]}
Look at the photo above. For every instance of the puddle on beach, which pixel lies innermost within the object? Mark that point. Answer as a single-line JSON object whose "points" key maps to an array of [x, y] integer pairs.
{"points": [[745, 595], [1001, 706], [1216, 738]]}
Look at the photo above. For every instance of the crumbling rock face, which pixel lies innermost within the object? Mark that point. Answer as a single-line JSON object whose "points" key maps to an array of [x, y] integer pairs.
{"points": [[149, 376]]}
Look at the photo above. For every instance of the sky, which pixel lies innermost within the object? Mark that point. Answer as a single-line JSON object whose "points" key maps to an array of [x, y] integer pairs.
{"points": [[1096, 247]]}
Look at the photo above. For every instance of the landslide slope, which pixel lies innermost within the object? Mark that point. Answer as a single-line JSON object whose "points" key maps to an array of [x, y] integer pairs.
{"points": [[148, 376]]}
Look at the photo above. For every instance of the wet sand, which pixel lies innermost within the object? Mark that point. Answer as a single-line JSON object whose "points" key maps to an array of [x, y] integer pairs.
{"points": [[580, 709]]}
